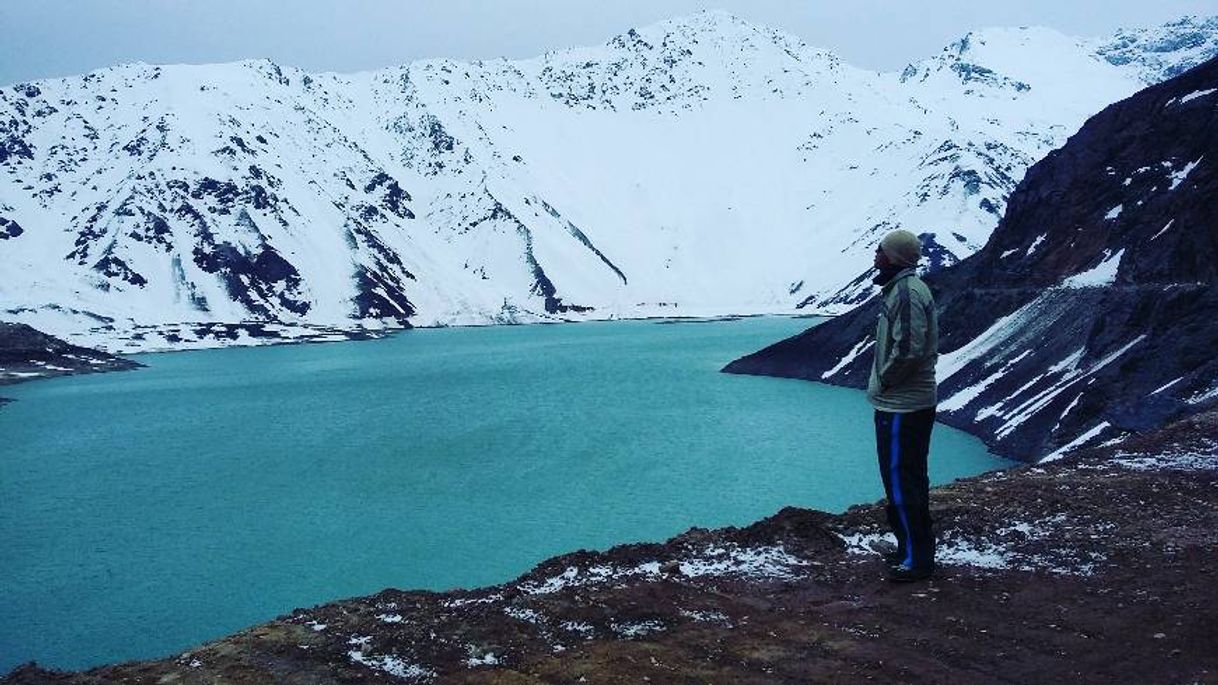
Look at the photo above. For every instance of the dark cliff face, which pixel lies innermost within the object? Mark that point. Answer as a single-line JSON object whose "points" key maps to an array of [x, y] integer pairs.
{"points": [[1090, 313]]}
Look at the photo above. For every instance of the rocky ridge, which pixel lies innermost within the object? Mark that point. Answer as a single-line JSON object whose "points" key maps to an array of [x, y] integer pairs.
{"points": [[26, 354]]}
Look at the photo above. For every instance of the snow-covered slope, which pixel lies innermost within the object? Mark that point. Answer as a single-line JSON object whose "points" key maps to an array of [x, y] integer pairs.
{"points": [[1160, 53], [699, 166]]}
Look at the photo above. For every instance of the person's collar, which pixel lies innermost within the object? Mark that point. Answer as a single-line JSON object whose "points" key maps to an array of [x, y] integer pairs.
{"points": [[888, 276]]}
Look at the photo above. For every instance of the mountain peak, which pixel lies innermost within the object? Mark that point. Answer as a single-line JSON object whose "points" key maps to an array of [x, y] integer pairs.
{"points": [[705, 19], [725, 29], [1010, 62], [1158, 53]]}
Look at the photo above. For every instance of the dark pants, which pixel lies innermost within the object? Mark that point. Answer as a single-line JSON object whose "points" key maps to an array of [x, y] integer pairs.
{"points": [[902, 442]]}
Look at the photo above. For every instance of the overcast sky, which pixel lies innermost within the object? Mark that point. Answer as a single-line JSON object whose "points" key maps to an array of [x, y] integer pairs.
{"points": [[45, 38]]}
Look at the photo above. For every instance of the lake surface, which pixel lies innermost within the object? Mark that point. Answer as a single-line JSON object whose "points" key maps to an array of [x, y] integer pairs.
{"points": [[144, 512]]}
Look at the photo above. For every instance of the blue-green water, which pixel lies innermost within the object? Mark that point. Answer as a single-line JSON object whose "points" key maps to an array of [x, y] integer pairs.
{"points": [[145, 512]]}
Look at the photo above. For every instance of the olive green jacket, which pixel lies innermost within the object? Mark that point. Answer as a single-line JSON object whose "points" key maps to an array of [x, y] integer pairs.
{"points": [[906, 347]]}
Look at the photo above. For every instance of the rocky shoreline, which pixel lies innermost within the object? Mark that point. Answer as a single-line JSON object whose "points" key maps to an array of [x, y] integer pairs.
{"points": [[1094, 567], [28, 354]]}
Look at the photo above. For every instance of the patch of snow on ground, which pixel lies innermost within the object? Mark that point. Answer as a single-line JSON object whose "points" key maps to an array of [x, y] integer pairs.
{"points": [[554, 583], [999, 550], [1017, 416], [526, 615], [1004, 549], [756, 562], [993, 336], [1103, 274], [1034, 530], [390, 618], [585, 630], [1163, 230], [860, 348], [392, 665], [1069, 409], [1187, 461], [1178, 177], [1035, 244], [962, 399], [1168, 385], [868, 543], [458, 603], [1070, 362], [1203, 396], [967, 553], [637, 629], [1114, 213], [488, 659], [996, 410], [650, 569], [1197, 94], [705, 616], [1075, 443]]}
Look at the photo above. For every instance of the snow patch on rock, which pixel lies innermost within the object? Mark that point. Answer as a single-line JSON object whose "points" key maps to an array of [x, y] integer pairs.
{"points": [[1102, 275], [392, 665], [1178, 177], [758, 563]]}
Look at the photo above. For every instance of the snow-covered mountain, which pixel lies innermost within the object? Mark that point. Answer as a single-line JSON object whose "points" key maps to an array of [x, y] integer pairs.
{"points": [[699, 166]]}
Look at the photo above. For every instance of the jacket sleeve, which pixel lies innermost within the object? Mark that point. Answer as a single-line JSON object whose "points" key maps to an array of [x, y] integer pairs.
{"points": [[909, 328]]}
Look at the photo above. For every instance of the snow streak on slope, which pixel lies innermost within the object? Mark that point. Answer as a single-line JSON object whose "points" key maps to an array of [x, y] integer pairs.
{"points": [[699, 166]]}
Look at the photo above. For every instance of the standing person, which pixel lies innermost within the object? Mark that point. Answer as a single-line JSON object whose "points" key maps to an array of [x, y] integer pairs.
{"points": [[902, 390]]}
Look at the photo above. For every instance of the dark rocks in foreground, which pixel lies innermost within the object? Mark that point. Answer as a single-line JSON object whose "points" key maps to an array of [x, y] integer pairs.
{"points": [[1096, 568]]}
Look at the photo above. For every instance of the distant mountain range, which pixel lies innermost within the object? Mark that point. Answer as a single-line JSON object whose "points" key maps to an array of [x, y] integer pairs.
{"points": [[699, 166], [1090, 313]]}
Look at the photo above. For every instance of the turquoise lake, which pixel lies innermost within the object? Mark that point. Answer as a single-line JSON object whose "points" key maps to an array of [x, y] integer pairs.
{"points": [[145, 512]]}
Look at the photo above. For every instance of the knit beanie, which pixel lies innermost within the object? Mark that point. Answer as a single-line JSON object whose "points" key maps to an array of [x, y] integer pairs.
{"points": [[902, 248]]}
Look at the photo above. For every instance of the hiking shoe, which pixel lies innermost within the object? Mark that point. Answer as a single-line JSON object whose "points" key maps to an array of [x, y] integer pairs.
{"points": [[905, 574], [894, 559]]}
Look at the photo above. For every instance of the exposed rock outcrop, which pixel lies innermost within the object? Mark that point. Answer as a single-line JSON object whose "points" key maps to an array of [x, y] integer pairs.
{"points": [[26, 354], [1090, 312]]}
